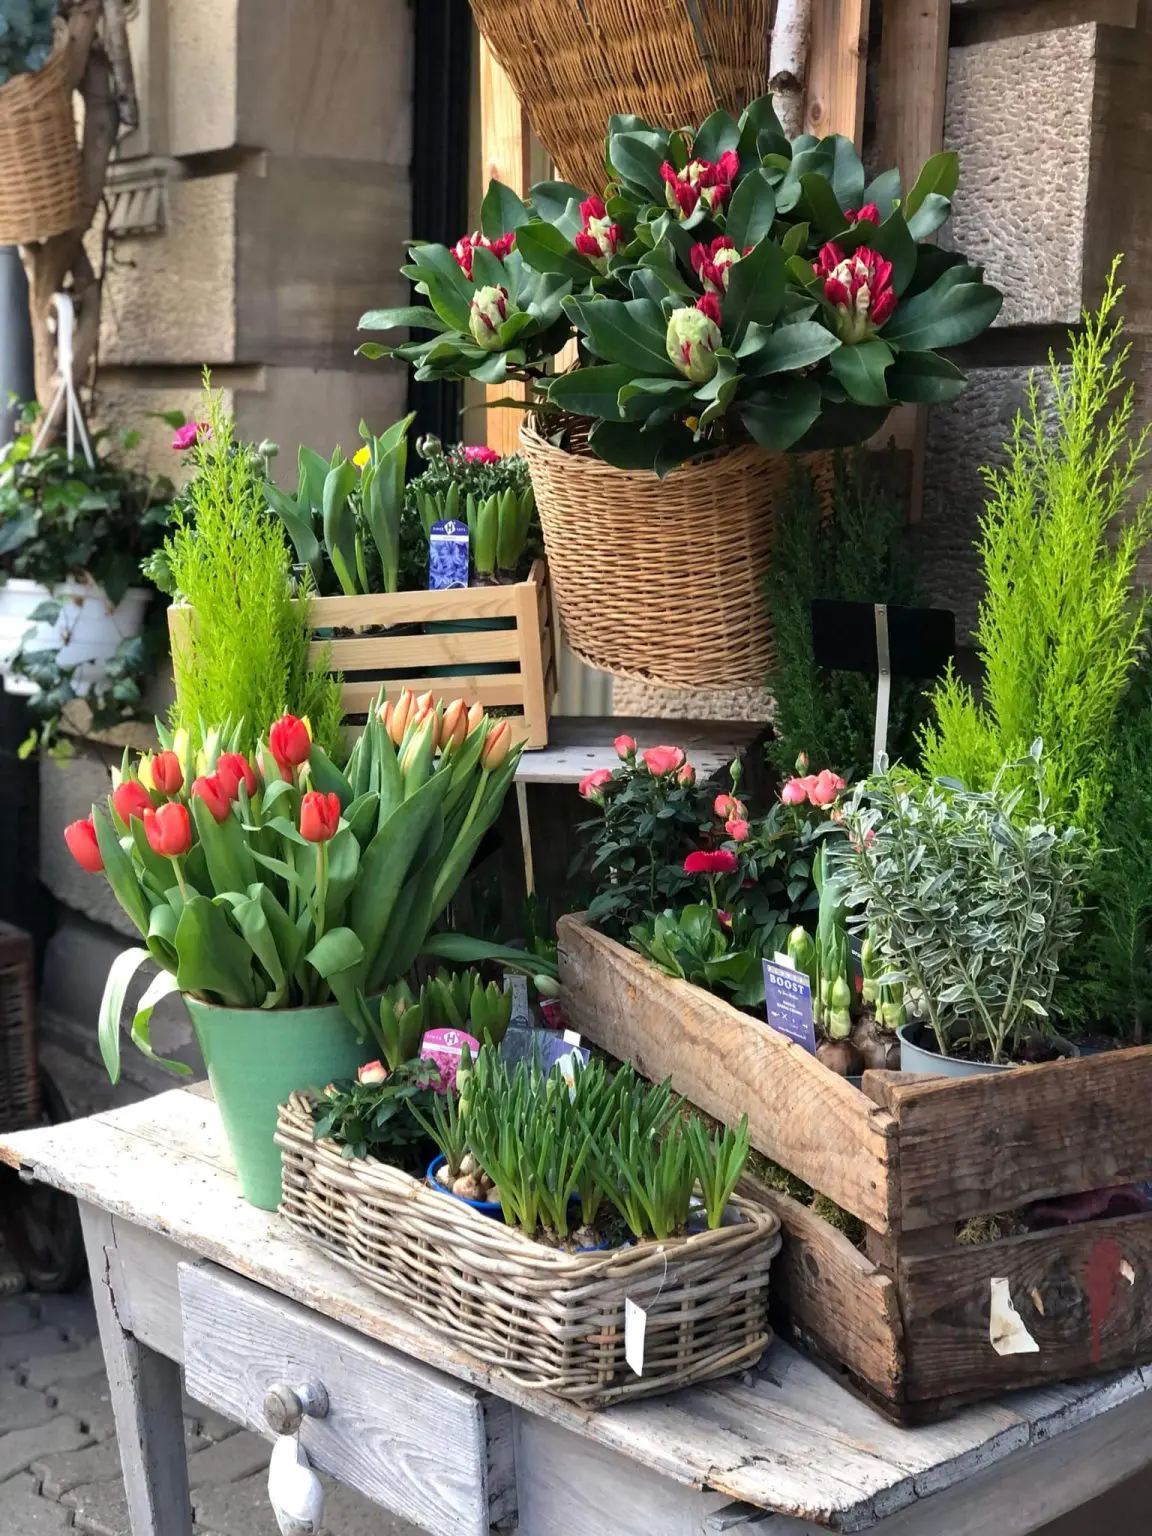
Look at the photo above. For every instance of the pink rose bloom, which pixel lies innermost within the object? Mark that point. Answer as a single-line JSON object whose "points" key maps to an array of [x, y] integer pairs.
{"points": [[592, 784], [479, 454], [625, 748], [826, 789], [737, 829], [794, 792], [727, 806], [662, 760], [373, 1072]]}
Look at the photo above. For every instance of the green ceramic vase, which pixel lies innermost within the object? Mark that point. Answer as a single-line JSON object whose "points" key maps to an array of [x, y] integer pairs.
{"points": [[256, 1058]]}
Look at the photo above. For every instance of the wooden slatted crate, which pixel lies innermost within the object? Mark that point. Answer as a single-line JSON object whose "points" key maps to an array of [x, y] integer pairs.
{"points": [[490, 645], [919, 1321]]}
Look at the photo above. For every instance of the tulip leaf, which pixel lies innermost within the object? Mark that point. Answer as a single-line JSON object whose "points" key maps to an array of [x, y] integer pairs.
{"points": [[789, 346], [631, 332], [780, 418], [755, 290], [340, 523], [119, 871], [288, 939], [162, 935], [116, 985], [861, 370], [326, 777], [546, 249], [159, 987], [230, 864], [339, 950], [250, 918], [752, 211], [952, 311], [501, 211], [415, 315], [939, 176], [924, 377], [343, 866], [213, 957]]}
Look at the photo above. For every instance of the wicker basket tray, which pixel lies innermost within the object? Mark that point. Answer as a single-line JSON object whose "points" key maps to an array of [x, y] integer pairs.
{"points": [[573, 63], [543, 1317], [39, 161]]}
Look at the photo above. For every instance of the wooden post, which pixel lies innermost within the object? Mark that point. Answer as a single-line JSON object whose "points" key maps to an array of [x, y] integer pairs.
{"points": [[910, 127], [505, 145], [837, 60]]}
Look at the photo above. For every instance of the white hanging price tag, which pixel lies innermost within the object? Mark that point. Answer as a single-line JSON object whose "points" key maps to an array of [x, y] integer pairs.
{"points": [[294, 1490], [635, 1327]]}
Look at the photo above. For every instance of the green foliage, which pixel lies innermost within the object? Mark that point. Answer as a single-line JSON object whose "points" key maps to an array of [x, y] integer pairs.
{"points": [[1060, 627], [694, 945], [972, 898], [385, 1120], [445, 1001], [854, 549], [246, 657], [25, 36]]}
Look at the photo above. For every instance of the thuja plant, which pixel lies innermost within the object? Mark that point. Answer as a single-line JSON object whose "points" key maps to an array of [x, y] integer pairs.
{"points": [[972, 898], [1060, 625], [728, 281]]}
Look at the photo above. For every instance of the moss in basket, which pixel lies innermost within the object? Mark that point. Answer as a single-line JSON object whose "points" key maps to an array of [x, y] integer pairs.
{"points": [[246, 658]]}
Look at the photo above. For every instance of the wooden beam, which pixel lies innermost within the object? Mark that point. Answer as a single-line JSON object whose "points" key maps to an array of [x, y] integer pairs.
{"points": [[505, 153], [837, 61]]}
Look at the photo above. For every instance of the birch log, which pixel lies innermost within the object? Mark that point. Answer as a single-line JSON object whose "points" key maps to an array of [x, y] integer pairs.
{"points": [[788, 63]]}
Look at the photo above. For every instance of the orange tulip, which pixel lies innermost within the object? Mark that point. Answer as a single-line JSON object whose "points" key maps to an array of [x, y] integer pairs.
{"points": [[454, 726], [497, 746]]}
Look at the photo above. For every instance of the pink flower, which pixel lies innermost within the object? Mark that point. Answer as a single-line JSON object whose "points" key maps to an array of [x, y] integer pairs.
{"points": [[592, 784], [625, 748], [711, 263], [794, 792], [372, 1072], [478, 454], [727, 806], [711, 861], [737, 829], [860, 288], [725, 920], [662, 760], [687, 775], [700, 181], [189, 435], [826, 788], [467, 244], [600, 238], [869, 214]]}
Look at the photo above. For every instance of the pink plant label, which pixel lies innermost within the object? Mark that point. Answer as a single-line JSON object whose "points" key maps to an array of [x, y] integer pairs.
{"points": [[443, 1046]]}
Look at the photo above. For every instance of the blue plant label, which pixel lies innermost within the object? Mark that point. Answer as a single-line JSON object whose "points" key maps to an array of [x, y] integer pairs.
{"points": [[788, 998], [447, 555]]}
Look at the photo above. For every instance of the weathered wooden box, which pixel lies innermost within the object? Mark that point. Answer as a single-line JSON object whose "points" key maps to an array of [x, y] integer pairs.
{"points": [[494, 646], [919, 1322]]}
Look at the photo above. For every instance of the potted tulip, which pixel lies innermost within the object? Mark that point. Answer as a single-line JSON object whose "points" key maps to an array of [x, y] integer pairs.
{"points": [[281, 897]]}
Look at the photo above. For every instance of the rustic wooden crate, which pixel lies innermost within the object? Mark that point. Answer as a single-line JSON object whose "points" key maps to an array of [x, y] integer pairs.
{"points": [[525, 648], [910, 1319]]}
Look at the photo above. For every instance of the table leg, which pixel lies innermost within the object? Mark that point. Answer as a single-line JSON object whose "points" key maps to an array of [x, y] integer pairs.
{"points": [[146, 1401], [525, 837]]}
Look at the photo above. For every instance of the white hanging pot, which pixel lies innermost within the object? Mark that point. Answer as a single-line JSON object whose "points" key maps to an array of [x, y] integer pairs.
{"points": [[85, 635]]}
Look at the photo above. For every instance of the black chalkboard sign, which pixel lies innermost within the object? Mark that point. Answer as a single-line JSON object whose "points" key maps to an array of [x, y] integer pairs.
{"points": [[921, 641]]}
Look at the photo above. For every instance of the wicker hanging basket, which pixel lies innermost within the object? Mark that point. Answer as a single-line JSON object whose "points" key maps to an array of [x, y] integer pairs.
{"points": [[573, 63], [662, 580], [39, 160]]}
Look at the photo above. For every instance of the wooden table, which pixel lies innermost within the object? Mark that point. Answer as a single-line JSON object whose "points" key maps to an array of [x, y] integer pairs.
{"points": [[185, 1272]]}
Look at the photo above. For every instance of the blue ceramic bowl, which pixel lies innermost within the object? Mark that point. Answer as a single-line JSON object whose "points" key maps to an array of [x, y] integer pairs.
{"points": [[485, 1207]]}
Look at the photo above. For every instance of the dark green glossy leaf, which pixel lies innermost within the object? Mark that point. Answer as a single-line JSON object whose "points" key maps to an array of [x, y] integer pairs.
{"points": [[778, 419], [939, 176], [632, 332], [591, 391], [755, 290], [790, 346], [952, 311], [924, 377], [717, 134], [861, 369], [545, 249], [752, 211], [501, 211]]}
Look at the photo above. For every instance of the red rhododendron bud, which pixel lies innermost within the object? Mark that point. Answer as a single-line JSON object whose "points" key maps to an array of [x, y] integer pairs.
{"points": [[600, 238], [169, 830], [700, 181], [489, 309], [711, 861], [232, 770], [131, 799], [662, 760], [869, 214], [209, 789], [860, 288], [167, 773], [319, 816], [692, 339], [467, 244], [711, 263], [82, 845]]}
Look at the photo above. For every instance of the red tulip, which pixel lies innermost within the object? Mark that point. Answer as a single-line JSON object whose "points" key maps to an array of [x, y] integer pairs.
{"points": [[290, 743], [625, 748], [662, 760], [737, 829], [705, 861], [372, 1072], [319, 816], [169, 830], [860, 287], [214, 795], [167, 773], [592, 784], [131, 799], [232, 770], [82, 845]]}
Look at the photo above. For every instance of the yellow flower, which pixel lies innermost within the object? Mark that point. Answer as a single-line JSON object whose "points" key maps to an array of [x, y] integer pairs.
{"points": [[143, 771], [362, 457]]}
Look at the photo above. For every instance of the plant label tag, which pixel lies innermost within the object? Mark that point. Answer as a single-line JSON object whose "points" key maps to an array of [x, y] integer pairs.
{"points": [[571, 1037], [788, 1000], [518, 986], [635, 1327], [447, 555], [443, 1046], [780, 958]]}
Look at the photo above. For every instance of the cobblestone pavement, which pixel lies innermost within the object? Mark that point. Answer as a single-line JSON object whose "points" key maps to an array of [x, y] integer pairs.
{"points": [[59, 1465]]}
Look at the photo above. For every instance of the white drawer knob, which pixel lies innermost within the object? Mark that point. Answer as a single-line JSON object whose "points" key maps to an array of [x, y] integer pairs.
{"points": [[285, 1406]]}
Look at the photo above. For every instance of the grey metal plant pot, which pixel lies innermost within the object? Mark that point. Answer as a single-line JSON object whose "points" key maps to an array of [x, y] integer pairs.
{"points": [[915, 1058]]}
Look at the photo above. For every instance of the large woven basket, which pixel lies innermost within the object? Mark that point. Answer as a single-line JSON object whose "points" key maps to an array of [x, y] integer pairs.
{"points": [[573, 63], [662, 580], [541, 1316], [39, 160]]}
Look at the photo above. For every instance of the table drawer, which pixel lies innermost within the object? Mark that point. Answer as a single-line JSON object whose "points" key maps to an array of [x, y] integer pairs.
{"points": [[431, 1449]]}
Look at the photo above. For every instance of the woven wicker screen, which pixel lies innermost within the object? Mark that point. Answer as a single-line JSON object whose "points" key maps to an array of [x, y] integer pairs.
{"points": [[573, 63]]}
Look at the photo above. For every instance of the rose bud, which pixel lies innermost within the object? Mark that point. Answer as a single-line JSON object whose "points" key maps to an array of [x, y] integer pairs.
{"points": [[232, 770], [794, 792], [372, 1072], [290, 743], [167, 773], [727, 806], [169, 830], [497, 746], [319, 816], [210, 789], [693, 336], [737, 829], [625, 748], [131, 799], [687, 775], [82, 845], [592, 784]]}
